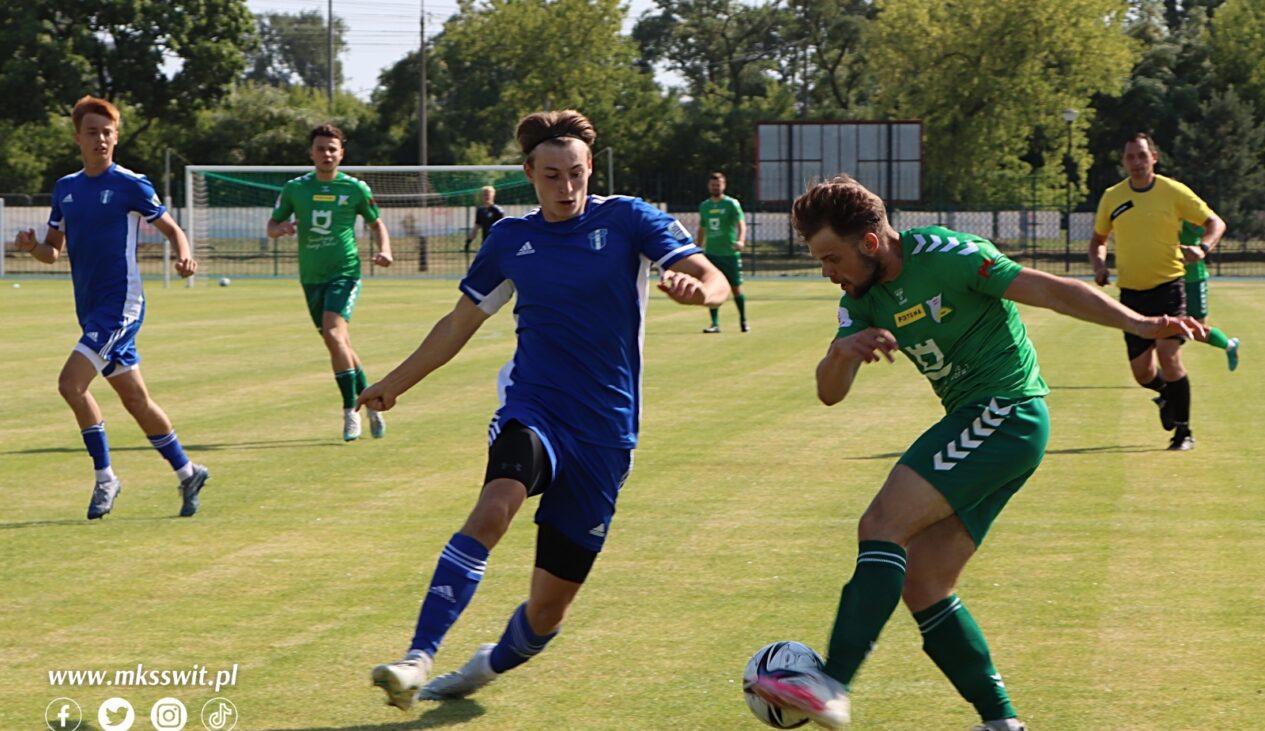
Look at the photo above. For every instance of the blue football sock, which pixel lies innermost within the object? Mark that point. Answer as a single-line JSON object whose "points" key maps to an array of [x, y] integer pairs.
{"points": [[518, 643], [457, 576], [99, 449], [168, 445]]}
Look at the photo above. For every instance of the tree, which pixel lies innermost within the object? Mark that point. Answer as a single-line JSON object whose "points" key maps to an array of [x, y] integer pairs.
{"points": [[59, 50], [1238, 46], [831, 34], [1219, 155], [294, 50], [983, 76]]}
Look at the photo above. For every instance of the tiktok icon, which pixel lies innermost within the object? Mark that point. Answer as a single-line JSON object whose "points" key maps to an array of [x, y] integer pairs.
{"points": [[219, 714]]}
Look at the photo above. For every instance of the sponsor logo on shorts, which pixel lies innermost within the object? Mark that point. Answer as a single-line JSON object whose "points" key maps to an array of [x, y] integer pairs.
{"points": [[598, 530]]}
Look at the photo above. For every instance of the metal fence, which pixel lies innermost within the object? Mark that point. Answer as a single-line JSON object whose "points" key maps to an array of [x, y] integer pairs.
{"points": [[1035, 238]]}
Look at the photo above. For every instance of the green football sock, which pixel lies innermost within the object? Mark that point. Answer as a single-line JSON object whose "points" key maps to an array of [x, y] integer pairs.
{"points": [[953, 640], [361, 381], [865, 605], [347, 387], [1217, 339], [715, 312], [741, 301]]}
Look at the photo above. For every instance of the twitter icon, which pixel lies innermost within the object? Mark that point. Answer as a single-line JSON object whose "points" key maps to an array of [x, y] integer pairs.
{"points": [[116, 714]]}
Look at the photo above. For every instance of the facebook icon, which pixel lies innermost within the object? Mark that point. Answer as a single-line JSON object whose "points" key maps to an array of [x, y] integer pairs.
{"points": [[63, 714]]}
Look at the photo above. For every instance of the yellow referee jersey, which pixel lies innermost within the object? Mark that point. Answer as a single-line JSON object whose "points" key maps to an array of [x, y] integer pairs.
{"points": [[1146, 224]]}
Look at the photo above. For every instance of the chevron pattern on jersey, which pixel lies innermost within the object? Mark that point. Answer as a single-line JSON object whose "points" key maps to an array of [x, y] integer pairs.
{"points": [[971, 437], [943, 245]]}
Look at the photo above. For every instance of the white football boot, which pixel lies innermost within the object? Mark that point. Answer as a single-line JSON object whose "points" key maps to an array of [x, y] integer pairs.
{"points": [[401, 680], [351, 425], [476, 673], [1005, 724], [377, 424], [813, 693]]}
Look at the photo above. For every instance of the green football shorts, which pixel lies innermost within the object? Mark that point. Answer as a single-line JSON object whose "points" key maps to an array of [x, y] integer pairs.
{"points": [[979, 456], [1197, 298], [730, 266], [337, 296]]}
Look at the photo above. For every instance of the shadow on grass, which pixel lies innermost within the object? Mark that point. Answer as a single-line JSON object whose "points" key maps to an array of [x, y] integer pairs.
{"points": [[1093, 388], [85, 522], [193, 447], [1105, 449], [449, 713]]}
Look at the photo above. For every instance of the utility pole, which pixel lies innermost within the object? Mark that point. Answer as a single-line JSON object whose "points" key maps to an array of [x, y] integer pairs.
{"points": [[329, 51], [423, 155]]}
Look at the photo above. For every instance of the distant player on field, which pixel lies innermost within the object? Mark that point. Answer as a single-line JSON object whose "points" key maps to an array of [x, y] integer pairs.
{"points": [[96, 216], [325, 204], [484, 216], [1197, 293], [571, 396], [722, 231], [1145, 212], [944, 299]]}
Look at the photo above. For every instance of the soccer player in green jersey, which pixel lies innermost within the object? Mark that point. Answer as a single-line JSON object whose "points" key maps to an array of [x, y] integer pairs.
{"points": [[325, 204], [722, 232], [1197, 292], [944, 299]]}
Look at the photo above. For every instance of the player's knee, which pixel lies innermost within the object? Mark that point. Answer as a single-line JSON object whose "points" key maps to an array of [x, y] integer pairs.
{"points": [[70, 389], [877, 525]]}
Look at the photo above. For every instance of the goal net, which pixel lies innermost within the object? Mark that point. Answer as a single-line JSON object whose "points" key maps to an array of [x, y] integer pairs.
{"points": [[428, 211]]}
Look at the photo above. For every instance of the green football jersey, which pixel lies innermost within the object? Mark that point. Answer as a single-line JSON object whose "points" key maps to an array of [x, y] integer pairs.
{"points": [[1190, 235], [325, 214], [948, 315], [719, 221]]}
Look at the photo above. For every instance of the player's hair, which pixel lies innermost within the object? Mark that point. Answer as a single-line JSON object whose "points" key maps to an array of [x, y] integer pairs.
{"points": [[841, 203], [1142, 137], [94, 105], [327, 130], [716, 176], [488, 189], [553, 128]]}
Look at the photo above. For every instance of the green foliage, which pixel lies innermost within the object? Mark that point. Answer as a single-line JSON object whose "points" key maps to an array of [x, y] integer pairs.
{"points": [[294, 49], [1238, 47], [63, 49], [26, 150], [982, 77], [1219, 155]]}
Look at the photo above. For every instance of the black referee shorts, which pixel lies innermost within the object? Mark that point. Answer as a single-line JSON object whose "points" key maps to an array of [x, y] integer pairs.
{"points": [[1167, 299]]}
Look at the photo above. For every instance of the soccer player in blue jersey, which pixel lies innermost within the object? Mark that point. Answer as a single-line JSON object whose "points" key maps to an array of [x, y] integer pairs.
{"points": [[96, 216], [571, 395]]}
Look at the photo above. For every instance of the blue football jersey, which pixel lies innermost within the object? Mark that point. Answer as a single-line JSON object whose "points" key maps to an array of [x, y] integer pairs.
{"points": [[101, 218], [582, 287]]}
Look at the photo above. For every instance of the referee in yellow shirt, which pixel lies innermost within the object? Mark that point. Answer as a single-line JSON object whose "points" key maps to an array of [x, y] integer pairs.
{"points": [[1145, 212]]}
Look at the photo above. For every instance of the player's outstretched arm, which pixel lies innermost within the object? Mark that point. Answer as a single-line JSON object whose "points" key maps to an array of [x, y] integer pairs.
{"points": [[695, 281], [1074, 298], [186, 265], [47, 250], [837, 371], [440, 345]]}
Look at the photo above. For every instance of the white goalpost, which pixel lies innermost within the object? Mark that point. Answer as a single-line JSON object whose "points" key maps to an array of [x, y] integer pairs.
{"points": [[428, 210]]}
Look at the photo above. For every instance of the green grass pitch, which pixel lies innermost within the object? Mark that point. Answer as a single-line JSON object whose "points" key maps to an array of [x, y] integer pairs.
{"points": [[1123, 588]]}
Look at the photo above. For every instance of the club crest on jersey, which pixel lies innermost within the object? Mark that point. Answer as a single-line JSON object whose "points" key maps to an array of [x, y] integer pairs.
{"points": [[106, 195], [597, 239], [938, 310], [845, 317], [342, 200]]}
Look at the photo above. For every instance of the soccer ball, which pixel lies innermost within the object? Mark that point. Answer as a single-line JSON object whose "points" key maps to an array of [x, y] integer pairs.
{"points": [[225, 281], [787, 657]]}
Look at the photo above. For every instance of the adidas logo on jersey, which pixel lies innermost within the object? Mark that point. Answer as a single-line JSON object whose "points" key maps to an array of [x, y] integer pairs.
{"points": [[599, 530], [444, 592], [525, 249], [92, 336], [70, 198]]}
